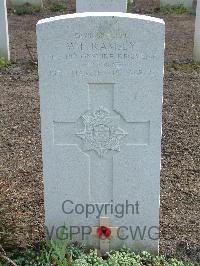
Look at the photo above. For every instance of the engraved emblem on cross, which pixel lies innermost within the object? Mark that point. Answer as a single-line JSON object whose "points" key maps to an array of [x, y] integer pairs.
{"points": [[101, 132]]}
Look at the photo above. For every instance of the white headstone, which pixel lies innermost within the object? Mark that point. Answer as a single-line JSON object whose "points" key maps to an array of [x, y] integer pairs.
{"points": [[101, 89], [196, 51], [101, 6], [186, 3], [4, 39], [37, 3]]}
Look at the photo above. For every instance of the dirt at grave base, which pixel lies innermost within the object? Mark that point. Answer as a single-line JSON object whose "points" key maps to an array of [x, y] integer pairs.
{"points": [[21, 182]]}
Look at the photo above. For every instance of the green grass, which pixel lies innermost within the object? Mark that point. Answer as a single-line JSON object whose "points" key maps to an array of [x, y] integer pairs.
{"points": [[174, 9], [3, 62], [58, 254], [130, 7], [183, 67], [58, 7], [26, 9]]}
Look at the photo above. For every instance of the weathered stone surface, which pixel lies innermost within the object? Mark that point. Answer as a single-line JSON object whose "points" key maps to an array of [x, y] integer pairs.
{"points": [[101, 6], [4, 38], [101, 80], [186, 3], [197, 35]]}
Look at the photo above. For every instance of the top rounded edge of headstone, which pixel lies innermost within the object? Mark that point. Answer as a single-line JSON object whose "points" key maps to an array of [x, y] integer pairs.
{"points": [[101, 14]]}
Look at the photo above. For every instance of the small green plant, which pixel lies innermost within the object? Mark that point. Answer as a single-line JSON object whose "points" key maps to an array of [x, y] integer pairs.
{"points": [[56, 250], [128, 258], [174, 9], [89, 259], [26, 9], [58, 7], [183, 67], [123, 257], [29, 257], [130, 6], [57, 254], [3, 62], [76, 250]]}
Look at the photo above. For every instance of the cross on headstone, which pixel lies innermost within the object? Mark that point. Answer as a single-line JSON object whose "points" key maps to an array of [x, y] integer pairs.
{"points": [[4, 39], [104, 242], [105, 132]]}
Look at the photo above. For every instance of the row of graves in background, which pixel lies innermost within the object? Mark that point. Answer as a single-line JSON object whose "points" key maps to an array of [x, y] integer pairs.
{"points": [[186, 3], [92, 6], [101, 90]]}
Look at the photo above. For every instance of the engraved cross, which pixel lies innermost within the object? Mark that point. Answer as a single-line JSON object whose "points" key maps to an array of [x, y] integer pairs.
{"points": [[101, 132]]}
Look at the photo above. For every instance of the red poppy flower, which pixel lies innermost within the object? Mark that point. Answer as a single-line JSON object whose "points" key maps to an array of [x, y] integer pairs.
{"points": [[103, 232]]}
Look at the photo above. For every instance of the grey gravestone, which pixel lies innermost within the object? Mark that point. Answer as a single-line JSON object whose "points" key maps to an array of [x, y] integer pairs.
{"points": [[4, 38], [101, 89], [196, 52], [101, 6]]}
